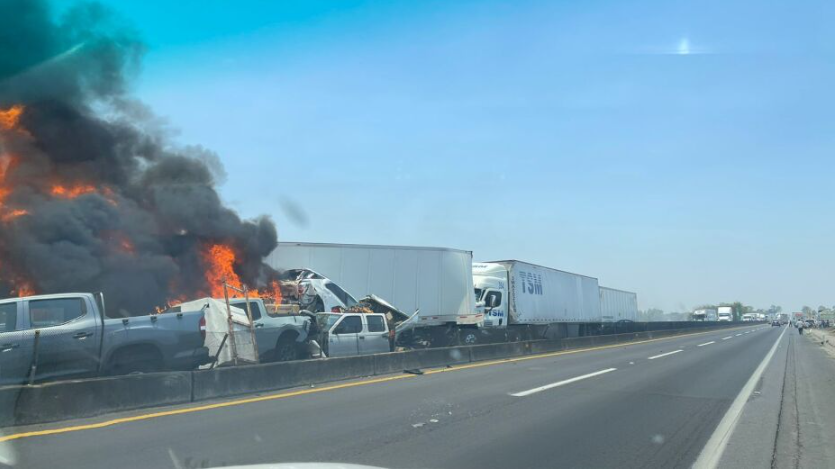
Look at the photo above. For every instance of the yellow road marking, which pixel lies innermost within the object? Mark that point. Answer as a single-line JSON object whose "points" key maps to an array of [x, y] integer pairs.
{"points": [[189, 410], [220, 405]]}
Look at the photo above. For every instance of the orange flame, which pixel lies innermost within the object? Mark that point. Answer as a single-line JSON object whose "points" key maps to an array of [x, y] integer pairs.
{"points": [[220, 260], [25, 289], [13, 214], [6, 164], [71, 192], [127, 246], [10, 117]]}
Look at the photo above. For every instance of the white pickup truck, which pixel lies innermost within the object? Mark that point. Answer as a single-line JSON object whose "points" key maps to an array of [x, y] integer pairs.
{"points": [[348, 334]]}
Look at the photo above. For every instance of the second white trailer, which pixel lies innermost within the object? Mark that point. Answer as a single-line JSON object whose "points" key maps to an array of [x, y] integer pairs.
{"points": [[618, 305]]}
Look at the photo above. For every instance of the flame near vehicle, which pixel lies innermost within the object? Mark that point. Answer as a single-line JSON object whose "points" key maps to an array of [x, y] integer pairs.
{"points": [[93, 195]]}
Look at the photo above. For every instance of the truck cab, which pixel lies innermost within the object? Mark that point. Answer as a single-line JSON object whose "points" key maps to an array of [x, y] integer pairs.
{"points": [[491, 291], [350, 334]]}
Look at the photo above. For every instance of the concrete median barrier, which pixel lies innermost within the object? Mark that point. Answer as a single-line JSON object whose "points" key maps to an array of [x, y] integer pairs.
{"points": [[8, 402], [545, 346], [90, 397], [439, 357], [232, 381], [498, 351]]}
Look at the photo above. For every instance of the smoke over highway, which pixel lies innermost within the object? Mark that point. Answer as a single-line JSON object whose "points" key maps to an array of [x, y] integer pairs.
{"points": [[93, 195]]}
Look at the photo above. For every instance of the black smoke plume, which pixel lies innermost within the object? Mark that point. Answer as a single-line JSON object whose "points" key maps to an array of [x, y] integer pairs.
{"points": [[139, 237]]}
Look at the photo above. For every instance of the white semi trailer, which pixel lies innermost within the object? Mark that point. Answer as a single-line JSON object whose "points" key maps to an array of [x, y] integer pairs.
{"points": [[436, 281], [618, 305], [531, 301]]}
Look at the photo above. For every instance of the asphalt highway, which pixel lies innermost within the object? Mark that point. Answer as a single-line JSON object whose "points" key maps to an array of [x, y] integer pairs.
{"points": [[654, 404]]}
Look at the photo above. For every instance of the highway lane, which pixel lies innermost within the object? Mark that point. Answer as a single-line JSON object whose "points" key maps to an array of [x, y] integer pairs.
{"points": [[641, 413]]}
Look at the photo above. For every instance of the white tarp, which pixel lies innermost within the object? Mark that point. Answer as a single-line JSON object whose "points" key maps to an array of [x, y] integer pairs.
{"points": [[217, 327]]}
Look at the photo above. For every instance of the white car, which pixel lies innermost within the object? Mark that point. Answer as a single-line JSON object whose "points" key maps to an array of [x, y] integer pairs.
{"points": [[317, 293]]}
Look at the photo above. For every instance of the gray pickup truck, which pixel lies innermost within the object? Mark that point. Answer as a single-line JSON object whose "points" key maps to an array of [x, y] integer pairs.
{"points": [[76, 339], [280, 337]]}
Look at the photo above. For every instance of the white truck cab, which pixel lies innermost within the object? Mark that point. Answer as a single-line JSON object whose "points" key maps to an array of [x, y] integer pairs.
{"points": [[490, 284]]}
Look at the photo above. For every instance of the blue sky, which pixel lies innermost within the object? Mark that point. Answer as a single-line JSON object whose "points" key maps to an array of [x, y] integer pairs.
{"points": [[682, 151]]}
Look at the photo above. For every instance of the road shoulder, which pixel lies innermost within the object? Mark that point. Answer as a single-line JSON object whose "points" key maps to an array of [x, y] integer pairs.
{"points": [[787, 422]]}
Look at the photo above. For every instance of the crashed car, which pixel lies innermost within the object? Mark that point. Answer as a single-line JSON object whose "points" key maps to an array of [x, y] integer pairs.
{"points": [[316, 293]]}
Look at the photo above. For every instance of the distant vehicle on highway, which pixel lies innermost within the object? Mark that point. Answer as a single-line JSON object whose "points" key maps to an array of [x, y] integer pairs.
{"points": [[784, 318], [76, 339], [725, 313], [776, 323], [705, 314]]}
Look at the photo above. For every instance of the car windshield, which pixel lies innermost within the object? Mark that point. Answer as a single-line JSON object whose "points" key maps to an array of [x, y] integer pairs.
{"points": [[472, 234]]}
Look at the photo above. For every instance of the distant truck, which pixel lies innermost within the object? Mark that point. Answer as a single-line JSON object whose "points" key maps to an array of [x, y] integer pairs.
{"points": [[532, 301], [784, 318], [75, 339], [436, 281], [705, 314], [725, 313]]}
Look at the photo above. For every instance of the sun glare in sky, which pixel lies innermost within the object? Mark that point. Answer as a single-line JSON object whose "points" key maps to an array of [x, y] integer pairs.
{"points": [[683, 46]]}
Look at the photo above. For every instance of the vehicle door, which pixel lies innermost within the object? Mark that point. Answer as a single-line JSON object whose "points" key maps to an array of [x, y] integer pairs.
{"points": [[15, 347], [374, 337], [343, 339], [265, 335], [69, 337]]}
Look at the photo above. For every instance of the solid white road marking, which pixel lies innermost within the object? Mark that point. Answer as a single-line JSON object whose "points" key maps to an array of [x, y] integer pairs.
{"points": [[665, 354], [712, 452], [706, 343], [561, 383], [726, 338]]}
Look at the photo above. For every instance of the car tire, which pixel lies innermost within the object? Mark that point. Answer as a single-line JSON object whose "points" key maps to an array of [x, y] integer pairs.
{"points": [[286, 351]]}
